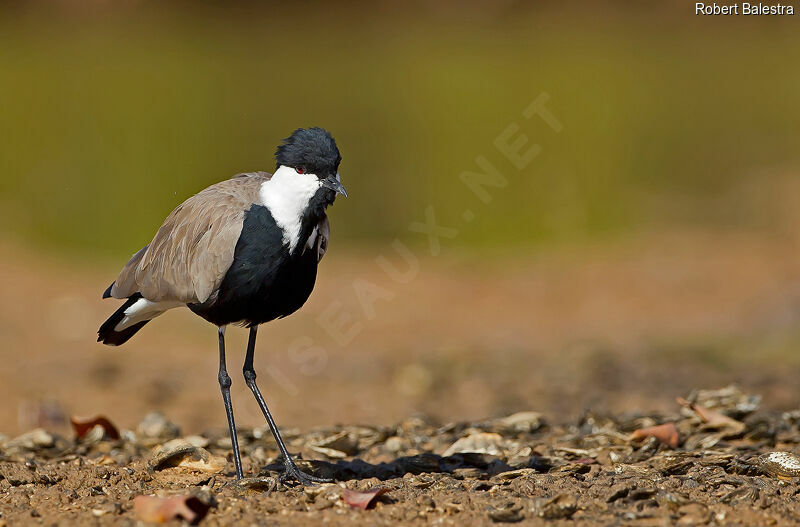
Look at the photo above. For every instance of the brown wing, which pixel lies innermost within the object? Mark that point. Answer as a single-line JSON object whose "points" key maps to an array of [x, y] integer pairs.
{"points": [[193, 249]]}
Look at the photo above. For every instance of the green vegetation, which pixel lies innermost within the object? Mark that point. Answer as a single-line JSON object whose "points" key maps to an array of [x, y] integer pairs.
{"points": [[111, 118]]}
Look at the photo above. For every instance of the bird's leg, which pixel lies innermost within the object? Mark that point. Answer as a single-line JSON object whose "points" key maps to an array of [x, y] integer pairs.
{"points": [[225, 386], [291, 470]]}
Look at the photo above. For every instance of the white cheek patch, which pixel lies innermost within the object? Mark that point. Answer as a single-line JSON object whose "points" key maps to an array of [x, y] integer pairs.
{"points": [[286, 195]]}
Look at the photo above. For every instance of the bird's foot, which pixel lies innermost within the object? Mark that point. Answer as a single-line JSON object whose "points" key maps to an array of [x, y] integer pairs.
{"points": [[292, 473]]}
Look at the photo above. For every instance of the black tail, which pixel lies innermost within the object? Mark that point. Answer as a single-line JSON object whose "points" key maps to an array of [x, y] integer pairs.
{"points": [[107, 293], [106, 333]]}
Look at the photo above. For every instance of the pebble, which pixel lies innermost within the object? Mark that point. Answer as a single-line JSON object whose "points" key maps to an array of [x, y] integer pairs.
{"points": [[480, 443], [343, 443], [38, 438], [264, 483], [513, 474], [396, 444], [509, 512], [198, 441], [559, 507], [780, 464], [156, 426], [179, 452], [520, 422]]}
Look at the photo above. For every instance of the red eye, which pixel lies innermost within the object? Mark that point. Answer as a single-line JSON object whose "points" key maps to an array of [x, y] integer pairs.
{"points": [[300, 170]]}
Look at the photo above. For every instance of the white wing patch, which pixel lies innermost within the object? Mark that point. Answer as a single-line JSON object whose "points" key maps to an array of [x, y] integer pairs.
{"points": [[286, 195], [143, 310]]}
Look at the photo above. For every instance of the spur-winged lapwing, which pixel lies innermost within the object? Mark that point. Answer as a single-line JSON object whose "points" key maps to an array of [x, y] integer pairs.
{"points": [[243, 251]]}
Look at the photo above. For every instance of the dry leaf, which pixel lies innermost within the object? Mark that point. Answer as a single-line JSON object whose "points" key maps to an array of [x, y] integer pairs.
{"points": [[712, 418], [156, 509], [362, 500], [83, 426], [715, 419], [666, 433]]}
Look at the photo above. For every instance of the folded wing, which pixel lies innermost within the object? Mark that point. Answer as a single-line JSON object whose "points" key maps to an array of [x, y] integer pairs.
{"points": [[193, 249]]}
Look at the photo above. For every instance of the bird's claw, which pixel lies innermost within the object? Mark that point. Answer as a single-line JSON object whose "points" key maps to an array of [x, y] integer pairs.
{"points": [[292, 473]]}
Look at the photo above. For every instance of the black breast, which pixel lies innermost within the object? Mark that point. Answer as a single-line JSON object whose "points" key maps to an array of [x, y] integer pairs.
{"points": [[264, 281]]}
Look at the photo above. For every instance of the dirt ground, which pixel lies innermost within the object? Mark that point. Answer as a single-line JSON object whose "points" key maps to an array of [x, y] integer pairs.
{"points": [[610, 327], [714, 462], [544, 364]]}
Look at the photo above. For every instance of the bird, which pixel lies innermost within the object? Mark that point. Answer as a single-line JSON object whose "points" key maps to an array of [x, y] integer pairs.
{"points": [[243, 251]]}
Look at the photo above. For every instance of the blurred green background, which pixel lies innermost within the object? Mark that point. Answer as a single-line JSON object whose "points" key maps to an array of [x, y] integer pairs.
{"points": [[113, 113], [651, 248]]}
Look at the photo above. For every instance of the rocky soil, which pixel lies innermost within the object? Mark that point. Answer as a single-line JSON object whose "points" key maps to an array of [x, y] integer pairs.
{"points": [[719, 459]]}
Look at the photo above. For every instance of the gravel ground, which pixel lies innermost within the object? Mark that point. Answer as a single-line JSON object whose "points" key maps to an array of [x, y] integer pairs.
{"points": [[712, 462]]}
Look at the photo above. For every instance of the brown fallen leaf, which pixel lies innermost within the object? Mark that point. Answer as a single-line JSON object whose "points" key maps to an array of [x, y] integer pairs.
{"points": [[156, 509], [83, 426], [666, 433], [712, 418], [363, 500]]}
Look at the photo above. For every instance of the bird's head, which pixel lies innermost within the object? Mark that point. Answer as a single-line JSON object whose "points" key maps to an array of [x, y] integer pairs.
{"points": [[312, 153]]}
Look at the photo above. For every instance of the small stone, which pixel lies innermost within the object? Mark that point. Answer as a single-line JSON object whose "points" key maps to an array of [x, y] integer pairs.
{"points": [[509, 512], [559, 507], [479, 443], [616, 492], [156, 426], [426, 504], [694, 514], [180, 453], [316, 490], [396, 444], [262, 483], [468, 473], [780, 464], [343, 442], [730, 401], [642, 493], [330, 453], [520, 422], [106, 508], [38, 438], [513, 474], [420, 463], [16, 474], [452, 508], [322, 504], [198, 441], [574, 468]]}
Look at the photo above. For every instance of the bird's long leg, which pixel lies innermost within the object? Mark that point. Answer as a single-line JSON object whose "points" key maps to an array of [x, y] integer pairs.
{"points": [[225, 387], [291, 469]]}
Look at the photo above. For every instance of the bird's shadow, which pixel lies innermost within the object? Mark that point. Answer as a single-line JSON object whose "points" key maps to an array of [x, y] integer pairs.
{"points": [[479, 466]]}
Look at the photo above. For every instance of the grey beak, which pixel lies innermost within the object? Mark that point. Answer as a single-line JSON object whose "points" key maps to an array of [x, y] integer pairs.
{"points": [[332, 182]]}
